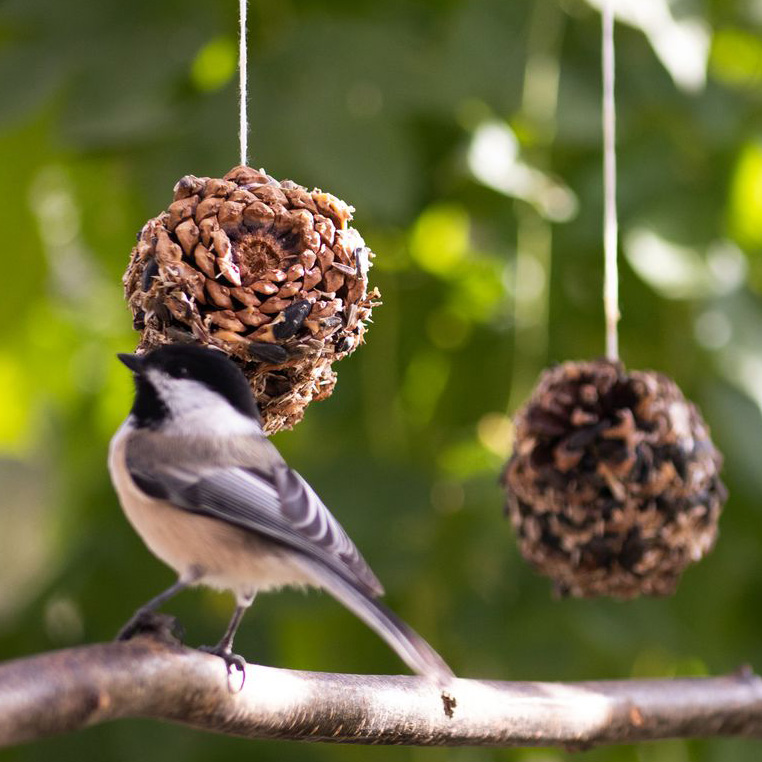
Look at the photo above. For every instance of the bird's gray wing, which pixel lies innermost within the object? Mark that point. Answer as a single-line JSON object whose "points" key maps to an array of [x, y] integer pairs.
{"points": [[279, 504], [303, 508]]}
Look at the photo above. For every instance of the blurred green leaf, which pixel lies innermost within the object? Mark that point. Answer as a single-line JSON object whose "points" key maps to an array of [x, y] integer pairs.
{"points": [[15, 413], [736, 57], [439, 240], [745, 203], [215, 64]]}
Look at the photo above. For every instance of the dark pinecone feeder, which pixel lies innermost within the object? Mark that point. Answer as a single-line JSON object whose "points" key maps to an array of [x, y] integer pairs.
{"points": [[267, 271], [613, 487]]}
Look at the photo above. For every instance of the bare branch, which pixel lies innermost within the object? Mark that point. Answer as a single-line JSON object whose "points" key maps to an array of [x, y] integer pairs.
{"points": [[146, 677]]}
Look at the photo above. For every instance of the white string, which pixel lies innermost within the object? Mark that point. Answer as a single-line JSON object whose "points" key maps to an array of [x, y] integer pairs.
{"points": [[243, 121], [610, 224]]}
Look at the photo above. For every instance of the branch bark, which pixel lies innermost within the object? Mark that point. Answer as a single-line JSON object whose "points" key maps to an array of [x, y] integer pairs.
{"points": [[150, 677]]}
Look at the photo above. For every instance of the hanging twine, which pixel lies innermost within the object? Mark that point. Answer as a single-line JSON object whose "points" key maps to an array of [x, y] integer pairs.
{"points": [[610, 225], [243, 128]]}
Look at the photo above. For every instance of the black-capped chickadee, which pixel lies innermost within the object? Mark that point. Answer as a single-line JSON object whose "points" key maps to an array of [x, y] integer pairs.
{"points": [[213, 499]]}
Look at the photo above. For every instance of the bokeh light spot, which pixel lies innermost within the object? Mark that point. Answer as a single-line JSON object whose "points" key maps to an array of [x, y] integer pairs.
{"points": [[745, 204], [215, 64], [439, 241]]}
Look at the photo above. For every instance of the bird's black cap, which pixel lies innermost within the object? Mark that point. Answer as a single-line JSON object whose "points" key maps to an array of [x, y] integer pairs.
{"points": [[193, 362]]}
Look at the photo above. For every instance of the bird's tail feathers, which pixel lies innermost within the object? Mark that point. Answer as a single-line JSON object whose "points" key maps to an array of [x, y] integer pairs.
{"points": [[408, 644]]}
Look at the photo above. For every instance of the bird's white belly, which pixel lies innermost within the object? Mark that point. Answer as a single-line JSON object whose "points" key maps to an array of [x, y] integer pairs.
{"points": [[228, 557]]}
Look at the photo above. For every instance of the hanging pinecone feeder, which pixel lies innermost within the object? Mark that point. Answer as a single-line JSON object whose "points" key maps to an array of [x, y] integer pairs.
{"points": [[613, 487], [267, 271]]}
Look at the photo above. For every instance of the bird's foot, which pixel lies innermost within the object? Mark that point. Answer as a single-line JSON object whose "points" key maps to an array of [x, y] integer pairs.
{"points": [[161, 626], [232, 661]]}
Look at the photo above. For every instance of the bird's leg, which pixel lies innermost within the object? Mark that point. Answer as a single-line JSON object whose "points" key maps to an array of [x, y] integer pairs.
{"points": [[145, 618], [224, 649]]}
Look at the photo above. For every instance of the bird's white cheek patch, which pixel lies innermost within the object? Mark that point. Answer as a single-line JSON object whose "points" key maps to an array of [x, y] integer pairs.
{"points": [[194, 407]]}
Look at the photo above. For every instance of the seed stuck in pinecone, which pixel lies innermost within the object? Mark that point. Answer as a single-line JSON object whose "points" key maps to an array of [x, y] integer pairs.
{"points": [[267, 271], [613, 487]]}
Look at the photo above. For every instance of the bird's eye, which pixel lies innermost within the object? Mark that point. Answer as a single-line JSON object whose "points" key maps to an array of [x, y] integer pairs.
{"points": [[181, 372]]}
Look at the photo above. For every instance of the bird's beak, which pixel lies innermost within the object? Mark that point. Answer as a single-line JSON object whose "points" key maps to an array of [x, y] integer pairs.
{"points": [[133, 362]]}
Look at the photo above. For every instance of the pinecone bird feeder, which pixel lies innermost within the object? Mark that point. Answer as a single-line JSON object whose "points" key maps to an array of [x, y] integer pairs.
{"points": [[613, 487], [266, 271]]}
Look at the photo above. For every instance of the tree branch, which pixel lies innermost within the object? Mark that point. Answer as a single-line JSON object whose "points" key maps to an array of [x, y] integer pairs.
{"points": [[149, 677]]}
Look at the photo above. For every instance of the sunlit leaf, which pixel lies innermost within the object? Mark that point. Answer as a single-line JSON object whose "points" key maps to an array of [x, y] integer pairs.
{"points": [[745, 202], [425, 380], [736, 57], [15, 410], [440, 238], [467, 458], [215, 64]]}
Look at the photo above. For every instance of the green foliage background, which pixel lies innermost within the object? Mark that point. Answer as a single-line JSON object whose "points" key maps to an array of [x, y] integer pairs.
{"points": [[409, 110]]}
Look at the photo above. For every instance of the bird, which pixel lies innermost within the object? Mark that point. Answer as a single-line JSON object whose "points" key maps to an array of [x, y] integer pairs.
{"points": [[212, 498]]}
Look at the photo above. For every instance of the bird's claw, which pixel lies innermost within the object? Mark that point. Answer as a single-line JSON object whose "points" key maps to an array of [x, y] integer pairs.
{"points": [[163, 626], [232, 661]]}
